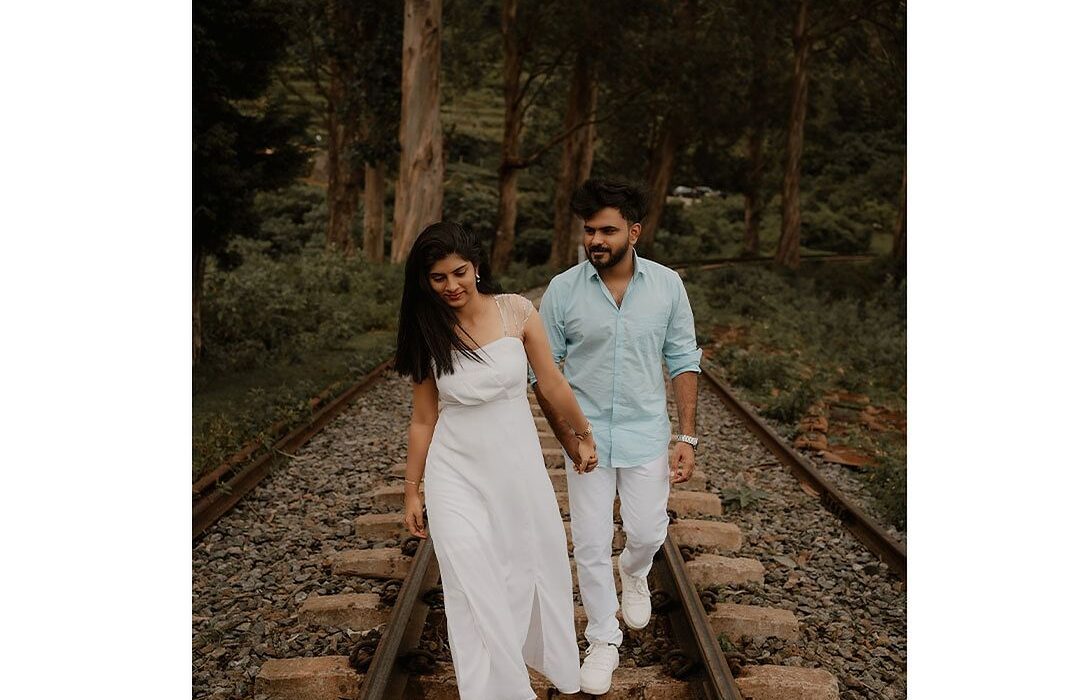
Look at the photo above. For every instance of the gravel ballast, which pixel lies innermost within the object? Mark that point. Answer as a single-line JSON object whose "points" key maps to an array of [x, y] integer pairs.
{"points": [[256, 565]]}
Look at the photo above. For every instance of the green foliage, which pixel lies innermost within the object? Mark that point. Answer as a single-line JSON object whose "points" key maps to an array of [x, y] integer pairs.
{"points": [[520, 276], [791, 405], [533, 246], [291, 217], [888, 483], [232, 408], [741, 497], [241, 144], [826, 327], [474, 206], [756, 370], [825, 229], [270, 309]]}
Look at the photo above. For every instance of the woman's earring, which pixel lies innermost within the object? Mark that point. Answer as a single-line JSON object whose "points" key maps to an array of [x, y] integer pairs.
{"points": [[477, 276]]}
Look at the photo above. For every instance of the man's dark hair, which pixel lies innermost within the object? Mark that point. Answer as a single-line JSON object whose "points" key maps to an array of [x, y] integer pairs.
{"points": [[594, 195]]}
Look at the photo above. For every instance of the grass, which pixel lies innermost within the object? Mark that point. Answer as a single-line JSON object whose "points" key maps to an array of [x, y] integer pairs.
{"points": [[784, 340], [230, 409]]}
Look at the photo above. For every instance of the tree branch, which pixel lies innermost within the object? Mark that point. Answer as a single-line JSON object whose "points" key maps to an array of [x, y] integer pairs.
{"points": [[537, 153], [287, 84]]}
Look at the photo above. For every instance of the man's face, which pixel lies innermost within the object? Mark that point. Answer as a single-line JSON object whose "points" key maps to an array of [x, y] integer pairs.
{"points": [[608, 237]]}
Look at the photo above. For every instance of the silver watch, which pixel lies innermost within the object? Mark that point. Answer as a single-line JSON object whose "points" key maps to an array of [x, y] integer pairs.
{"points": [[688, 439]]}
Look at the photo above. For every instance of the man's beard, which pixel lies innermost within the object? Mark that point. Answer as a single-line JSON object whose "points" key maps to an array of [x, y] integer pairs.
{"points": [[615, 256]]}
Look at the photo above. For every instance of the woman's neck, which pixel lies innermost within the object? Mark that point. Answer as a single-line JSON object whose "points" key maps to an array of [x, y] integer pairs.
{"points": [[473, 310]]}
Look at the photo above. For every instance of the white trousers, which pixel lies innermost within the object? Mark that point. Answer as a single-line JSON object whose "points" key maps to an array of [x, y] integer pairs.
{"points": [[643, 496]]}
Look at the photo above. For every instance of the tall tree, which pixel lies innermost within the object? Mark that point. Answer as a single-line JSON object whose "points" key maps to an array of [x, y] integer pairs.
{"points": [[899, 249], [577, 156], [787, 251], [418, 197], [349, 52], [759, 18], [830, 23], [530, 61], [240, 143], [689, 93], [535, 52], [343, 127]]}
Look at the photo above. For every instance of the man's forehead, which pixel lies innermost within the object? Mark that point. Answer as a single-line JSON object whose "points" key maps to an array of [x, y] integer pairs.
{"points": [[608, 216]]}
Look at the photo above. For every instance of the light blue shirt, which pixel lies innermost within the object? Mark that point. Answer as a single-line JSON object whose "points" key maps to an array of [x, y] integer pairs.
{"points": [[612, 355]]}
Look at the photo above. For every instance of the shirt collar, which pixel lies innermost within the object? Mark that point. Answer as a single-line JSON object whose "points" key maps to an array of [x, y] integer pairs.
{"points": [[639, 269]]}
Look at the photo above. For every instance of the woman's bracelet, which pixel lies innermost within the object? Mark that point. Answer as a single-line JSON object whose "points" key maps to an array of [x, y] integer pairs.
{"points": [[585, 433], [414, 483]]}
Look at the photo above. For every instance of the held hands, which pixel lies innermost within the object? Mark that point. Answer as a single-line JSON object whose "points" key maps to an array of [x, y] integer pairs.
{"points": [[586, 457], [414, 512], [682, 463]]}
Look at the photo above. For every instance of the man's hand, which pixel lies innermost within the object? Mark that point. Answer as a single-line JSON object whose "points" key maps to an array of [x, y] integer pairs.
{"points": [[682, 463]]}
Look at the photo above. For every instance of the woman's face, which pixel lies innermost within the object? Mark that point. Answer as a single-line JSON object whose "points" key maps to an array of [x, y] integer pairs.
{"points": [[454, 279]]}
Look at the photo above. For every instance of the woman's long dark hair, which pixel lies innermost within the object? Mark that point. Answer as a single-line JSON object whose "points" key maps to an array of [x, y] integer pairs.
{"points": [[426, 325]]}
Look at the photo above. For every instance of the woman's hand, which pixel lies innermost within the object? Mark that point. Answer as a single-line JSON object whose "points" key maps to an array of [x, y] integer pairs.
{"points": [[414, 512], [586, 460]]}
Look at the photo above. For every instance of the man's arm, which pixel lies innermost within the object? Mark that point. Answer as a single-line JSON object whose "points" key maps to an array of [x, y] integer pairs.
{"points": [[686, 386], [683, 358]]}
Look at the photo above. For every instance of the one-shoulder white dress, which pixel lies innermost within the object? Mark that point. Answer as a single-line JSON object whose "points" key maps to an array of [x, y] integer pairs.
{"points": [[496, 528]]}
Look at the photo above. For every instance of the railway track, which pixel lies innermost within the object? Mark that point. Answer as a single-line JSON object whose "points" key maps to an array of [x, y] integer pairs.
{"points": [[218, 490], [870, 533], [392, 662], [683, 639]]}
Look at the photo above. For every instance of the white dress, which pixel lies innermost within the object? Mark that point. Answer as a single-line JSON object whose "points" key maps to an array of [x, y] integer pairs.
{"points": [[495, 524]]}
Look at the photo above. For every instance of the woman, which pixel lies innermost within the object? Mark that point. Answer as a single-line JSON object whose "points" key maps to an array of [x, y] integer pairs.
{"points": [[495, 523]]}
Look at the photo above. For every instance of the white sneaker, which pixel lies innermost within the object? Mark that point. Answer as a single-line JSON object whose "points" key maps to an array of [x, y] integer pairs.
{"points": [[636, 602], [600, 661]]}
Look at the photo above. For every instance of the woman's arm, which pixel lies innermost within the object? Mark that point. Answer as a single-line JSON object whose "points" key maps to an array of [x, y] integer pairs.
{"points": [[551, 383], [425, 413]]}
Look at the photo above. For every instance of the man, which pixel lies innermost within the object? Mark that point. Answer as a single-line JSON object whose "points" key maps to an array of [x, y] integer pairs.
{"points": [[612, 319]]}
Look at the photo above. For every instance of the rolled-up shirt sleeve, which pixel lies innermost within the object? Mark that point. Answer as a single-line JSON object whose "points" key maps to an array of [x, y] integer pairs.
{"points": [[681, 351], [553, 327]]}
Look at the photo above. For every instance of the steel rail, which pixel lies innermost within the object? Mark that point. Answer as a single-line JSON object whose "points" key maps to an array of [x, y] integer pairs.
{"points": [[208, 509], [388, 672], [872, 535], [691, 626]]}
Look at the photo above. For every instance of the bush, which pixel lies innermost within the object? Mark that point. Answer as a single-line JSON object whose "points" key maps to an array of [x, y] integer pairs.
{"points": [[292, 217], [270, 309], [533, 246], [474, 206], [825, 229]]}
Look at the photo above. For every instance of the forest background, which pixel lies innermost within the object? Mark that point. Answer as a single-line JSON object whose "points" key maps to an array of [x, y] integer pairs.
{"points": [[772, 128]]}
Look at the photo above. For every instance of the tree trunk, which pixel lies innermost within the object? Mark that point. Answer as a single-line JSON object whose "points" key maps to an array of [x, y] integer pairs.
{"points": [[374, 218], [753, 197], [198, 271], [787, 251], [511, 142], [660, 170], [899, 250], [343, 186], [418, 197], [576, 158], [754, 200]]}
